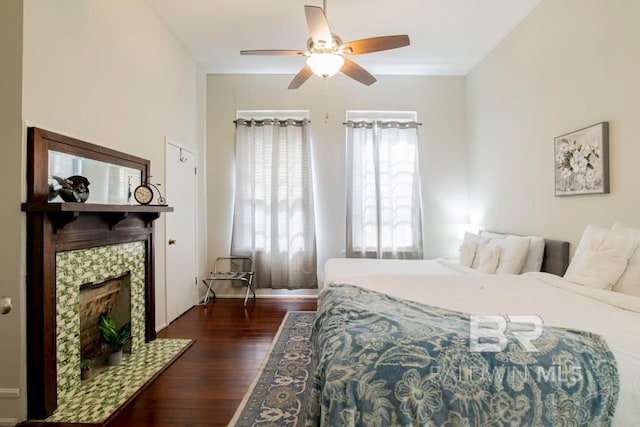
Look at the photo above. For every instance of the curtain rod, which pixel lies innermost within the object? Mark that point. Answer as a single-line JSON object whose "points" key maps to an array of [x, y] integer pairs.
{"points": [[263, 122], [382, 123]]}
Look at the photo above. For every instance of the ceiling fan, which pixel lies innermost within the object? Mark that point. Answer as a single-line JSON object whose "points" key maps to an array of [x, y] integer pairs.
{"points": [[326, 53]]}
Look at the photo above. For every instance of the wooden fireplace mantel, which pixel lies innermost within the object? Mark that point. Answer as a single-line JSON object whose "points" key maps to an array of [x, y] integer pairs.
{"points": [[59, 227], [62, 214]]}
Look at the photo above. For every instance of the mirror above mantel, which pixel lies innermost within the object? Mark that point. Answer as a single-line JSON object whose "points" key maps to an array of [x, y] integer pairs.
{"points": [[111, 174], [110, 183]]}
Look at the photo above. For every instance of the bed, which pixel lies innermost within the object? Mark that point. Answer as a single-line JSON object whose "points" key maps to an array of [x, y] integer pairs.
{"points": [[555, 260], [394, 349]]}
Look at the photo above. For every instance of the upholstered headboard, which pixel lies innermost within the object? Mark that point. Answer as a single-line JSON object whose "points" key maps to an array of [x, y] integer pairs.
{"points": [[556, 257]]}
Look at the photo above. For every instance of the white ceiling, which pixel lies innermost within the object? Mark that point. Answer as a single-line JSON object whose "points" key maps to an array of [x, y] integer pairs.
{"points": [[448, 37]]}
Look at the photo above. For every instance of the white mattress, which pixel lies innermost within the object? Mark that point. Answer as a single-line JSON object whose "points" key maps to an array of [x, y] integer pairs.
{"points": [[339, 270], [558, 302]]}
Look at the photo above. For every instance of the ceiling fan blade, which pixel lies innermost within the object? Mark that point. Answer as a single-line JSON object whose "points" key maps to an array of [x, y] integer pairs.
{"points": [[356, 72], [318, 24], [375, 44], [273, 52], [301, 77]]}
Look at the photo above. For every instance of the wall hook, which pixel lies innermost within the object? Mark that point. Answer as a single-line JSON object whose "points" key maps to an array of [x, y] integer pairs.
{"points": [[183, 159]]}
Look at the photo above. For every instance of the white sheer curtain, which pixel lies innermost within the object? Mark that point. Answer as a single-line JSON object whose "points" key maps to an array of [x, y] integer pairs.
{"points": [[273, 216], [384, 217]]}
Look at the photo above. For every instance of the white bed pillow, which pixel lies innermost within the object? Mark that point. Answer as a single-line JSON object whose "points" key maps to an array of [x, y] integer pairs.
{"points": [[535, 254], [483, 239], [602, 259], [589, 232], [492, 235], [489, 259], [629, 282], [513, 252], [479, 241], [468, 253]]}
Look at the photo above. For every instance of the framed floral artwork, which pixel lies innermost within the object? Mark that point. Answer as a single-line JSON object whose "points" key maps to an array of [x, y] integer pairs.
{"points": [[582, 161]]}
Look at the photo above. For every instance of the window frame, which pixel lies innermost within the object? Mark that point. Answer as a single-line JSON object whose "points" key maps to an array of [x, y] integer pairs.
{"points": [[380, 252]]}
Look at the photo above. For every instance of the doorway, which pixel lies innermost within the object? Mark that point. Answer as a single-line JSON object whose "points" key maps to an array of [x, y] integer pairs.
{"points": [[180, 245]]}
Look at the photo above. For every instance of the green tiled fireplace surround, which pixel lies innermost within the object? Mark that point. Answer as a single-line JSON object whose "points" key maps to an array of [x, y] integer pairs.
{"points": [[95, 265]]}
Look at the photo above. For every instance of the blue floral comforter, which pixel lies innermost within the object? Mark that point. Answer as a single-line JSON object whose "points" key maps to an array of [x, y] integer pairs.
{"points": [[385, 361]]}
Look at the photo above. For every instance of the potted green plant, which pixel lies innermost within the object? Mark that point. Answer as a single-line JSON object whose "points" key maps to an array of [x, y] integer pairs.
{"points": [[114, 338], [86, 369]]}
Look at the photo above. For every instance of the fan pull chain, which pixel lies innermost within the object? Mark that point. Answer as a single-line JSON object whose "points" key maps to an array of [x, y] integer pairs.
{"points": [[326, 100]]}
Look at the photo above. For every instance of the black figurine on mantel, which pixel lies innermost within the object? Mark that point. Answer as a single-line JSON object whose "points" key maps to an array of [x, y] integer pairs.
{"points": [[72, 189]]}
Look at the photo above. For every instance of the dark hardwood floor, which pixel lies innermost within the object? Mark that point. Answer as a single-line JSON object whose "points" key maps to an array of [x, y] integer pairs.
{"points": [[205, 386]]}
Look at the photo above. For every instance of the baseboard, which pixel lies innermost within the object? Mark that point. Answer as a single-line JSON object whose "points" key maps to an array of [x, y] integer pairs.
{"points": [[259, 296], [9, 393], [161, 327]]}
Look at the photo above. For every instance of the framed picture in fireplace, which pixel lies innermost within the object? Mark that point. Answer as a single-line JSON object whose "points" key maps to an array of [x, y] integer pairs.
{"points": [[582, 161]]}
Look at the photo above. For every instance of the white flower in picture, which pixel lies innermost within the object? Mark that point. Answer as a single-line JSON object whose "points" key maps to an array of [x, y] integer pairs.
{"points": [[578, 162]]}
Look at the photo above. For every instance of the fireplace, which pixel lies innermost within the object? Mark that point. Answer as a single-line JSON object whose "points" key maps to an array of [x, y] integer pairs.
{"points": [[70, 245], [111, 297], [89, 268]]}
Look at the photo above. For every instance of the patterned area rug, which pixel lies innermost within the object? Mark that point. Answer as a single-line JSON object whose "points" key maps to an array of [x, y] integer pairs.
{"points": [[97, 400], [278, 395]]}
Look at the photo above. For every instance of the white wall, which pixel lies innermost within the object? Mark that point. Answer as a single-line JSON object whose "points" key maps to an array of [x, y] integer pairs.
{"points": [[109, 72], [569, 64], [439, 101], [12, 259]]}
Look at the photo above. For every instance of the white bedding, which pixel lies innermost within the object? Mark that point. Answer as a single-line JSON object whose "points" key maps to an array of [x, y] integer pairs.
{"points": [[558, 302], [338, 270]]}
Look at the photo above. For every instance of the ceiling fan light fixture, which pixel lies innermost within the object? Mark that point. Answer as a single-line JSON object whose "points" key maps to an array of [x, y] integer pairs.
{"points": [[325, 65], [325, 50]]}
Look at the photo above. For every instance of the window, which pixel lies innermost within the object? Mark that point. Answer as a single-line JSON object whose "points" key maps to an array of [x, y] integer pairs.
{"points": [[273, 216], [383, 185]]}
